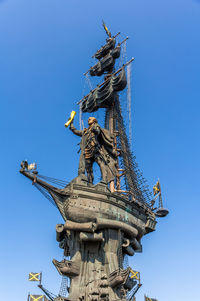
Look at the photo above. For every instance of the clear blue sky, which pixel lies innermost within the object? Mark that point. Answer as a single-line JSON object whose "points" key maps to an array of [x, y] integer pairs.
{"points": [[45, 47]]}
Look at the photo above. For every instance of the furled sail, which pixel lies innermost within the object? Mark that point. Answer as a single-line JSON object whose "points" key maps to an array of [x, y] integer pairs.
{"points": [[103, 96], [104, 50], [106, 64]]}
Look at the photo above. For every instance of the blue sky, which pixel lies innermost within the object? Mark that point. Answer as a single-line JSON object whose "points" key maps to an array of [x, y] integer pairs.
{"points": [[45, 47]]}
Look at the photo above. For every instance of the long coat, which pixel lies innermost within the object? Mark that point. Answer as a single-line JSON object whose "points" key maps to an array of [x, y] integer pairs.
{"points": [[104, 153]]}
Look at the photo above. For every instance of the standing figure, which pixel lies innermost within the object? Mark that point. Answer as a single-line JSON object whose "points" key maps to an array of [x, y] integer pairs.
{"points": [[96, 146]]}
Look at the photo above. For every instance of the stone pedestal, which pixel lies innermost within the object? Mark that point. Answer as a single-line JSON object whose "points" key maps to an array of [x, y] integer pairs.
{"points": [[100, 228]]}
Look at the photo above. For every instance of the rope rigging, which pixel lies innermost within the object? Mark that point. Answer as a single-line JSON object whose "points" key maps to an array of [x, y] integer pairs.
{"points": [[129, 102], [45, 193], [135, 183], [61, 183], [65, 282]]}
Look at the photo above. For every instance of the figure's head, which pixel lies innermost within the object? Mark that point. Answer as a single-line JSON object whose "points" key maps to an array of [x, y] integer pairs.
{"points": [[91, 120]]}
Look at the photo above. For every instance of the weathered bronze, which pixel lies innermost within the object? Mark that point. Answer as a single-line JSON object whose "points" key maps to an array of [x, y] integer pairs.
{"points": [[96, 146], [103, 223], [100, 229]]}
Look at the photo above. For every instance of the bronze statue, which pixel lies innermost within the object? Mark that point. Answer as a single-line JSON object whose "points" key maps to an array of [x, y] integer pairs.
{"points": [[102, 224], [96, 146]]}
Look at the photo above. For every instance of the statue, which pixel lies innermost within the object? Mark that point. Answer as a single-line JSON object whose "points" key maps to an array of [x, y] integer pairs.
{"points": [[102, 225], [97, 145]]}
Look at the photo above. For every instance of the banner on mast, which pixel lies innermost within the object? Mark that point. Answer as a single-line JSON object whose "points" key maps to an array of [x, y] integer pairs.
{"points": [[156, 188], [37, 298], [149, 299], [34, 276]]}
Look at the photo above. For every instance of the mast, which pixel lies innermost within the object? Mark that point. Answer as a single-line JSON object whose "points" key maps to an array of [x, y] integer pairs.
{"points": [[112, 129], [105, 94]]}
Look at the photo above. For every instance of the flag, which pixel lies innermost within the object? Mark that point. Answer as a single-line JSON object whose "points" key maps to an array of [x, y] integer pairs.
{"points": [[106, 29], [149, 299], [156, 188], [37, 297], [32, 166], [34, 276], [135, 275]]}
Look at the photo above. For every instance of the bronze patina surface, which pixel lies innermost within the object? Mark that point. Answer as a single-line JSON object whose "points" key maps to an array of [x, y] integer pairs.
{"points": [[103, 223], [100, 228]]}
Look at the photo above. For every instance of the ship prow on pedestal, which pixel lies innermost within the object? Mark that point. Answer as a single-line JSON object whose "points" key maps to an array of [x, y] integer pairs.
{"points": [[96, 207], [103, 223], [100, 227]]}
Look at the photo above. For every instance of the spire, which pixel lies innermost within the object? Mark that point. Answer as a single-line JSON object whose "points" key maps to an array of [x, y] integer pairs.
{"points": [[106, 29]]}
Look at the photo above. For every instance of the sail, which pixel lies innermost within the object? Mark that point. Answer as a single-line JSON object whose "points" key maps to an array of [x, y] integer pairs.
{"points": [[105, 49], [103, 96], [106, 64]]}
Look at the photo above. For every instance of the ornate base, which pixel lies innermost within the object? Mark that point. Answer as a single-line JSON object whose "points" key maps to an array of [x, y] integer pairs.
{"points": [[101, 227], [95, 268]]}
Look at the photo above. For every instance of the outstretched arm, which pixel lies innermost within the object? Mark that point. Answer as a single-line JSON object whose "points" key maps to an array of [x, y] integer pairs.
{"points": [[74, 130]]}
